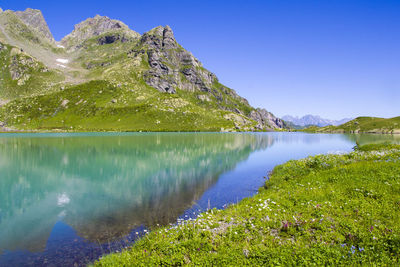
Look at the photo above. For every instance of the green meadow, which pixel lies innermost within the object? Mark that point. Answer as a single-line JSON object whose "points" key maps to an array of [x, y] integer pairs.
{"points": [[336, 209]]}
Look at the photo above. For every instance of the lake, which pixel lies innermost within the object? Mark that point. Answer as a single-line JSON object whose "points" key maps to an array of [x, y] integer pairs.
{"points": [[66, 199]]}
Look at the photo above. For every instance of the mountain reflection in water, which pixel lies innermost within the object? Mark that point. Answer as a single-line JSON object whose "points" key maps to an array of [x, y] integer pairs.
{"points": [[66, 199], [105, 186]]}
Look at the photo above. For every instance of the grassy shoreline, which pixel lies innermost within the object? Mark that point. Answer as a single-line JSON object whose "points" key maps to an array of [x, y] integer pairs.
{"points": [[326, 209], [369, 125]]}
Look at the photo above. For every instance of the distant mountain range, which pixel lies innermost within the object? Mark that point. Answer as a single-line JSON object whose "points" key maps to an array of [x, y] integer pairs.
{"points": [[362, 125], [309, 120]]}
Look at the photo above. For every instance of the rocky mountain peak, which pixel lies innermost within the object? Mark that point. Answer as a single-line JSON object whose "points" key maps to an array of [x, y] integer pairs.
{"points": [[160, 37], [168, 37], [1, 10], [35, 19], [93, 27], [99, 24], [171, 66]]}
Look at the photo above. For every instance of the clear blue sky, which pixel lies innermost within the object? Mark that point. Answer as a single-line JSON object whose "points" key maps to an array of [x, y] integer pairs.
{"points": [[334, 58]]}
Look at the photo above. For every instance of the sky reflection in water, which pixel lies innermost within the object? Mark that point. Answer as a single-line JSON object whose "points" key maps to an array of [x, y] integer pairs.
{"points": [[67, 198]]}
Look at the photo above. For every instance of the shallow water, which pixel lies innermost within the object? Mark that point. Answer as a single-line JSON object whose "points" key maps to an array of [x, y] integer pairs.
{"points": [[66, 199]]}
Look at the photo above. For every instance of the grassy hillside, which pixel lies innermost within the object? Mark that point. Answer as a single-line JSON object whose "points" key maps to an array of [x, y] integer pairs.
{"points": [[362, 125], [18, 32], [99, 105], [22, 75], [147, 82], [322, 210]]}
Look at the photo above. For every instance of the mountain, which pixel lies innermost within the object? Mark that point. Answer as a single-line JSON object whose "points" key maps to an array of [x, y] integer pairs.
{"points": [[95, 27], [308, 120], [105, 76], [363, 125], [35, 19]]}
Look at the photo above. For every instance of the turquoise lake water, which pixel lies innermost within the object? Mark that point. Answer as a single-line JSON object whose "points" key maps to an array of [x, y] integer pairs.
{"points": [[66, 199]]}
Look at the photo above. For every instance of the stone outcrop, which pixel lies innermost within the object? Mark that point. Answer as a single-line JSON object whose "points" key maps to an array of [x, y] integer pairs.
{"points": [[173, 67], [34, 18], [21, 66], [266, 120], [160, 37], [112, 38]]}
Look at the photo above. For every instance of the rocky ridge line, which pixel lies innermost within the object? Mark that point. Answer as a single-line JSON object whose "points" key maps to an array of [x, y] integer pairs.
{"points": [[35, 19], [170, 67], [94, 27]]}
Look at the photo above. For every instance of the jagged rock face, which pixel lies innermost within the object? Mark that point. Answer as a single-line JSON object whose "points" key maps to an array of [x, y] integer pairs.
{"points": [[160, 37], [112, 38], [94, 27], [171, 66], [266, 120], [34, 18]]}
